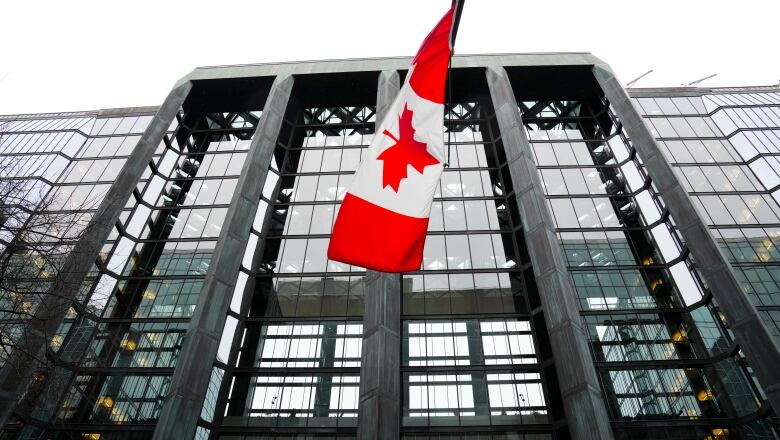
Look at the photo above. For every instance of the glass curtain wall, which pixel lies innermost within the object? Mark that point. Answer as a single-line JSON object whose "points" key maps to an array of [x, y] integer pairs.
{"points": [[471, 356], [36, 231], [725, 147], [125, 333], [75, 158], [289, 360], [475, 358], [658, 342]]}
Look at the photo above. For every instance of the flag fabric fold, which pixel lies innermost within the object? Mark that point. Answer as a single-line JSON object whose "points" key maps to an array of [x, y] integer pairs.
{"points": [[383, 219]]}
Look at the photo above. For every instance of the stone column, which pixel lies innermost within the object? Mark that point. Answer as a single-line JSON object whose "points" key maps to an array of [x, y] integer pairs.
{"points": [[761, 350], [182, 407], [15, 376], [379, 410], [583, 402]]}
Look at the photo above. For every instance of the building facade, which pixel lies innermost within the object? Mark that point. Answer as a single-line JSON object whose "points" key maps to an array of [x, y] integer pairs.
{"points": [[600, 263]]}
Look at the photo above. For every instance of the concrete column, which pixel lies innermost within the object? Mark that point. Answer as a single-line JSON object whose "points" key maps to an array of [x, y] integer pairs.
{"points": [[15, 376], [182, 407], [761, 350], [583, 402], [379, 410]]}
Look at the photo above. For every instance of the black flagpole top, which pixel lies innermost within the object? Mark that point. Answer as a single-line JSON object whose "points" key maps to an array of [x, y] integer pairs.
{"points": [[456, 20]]}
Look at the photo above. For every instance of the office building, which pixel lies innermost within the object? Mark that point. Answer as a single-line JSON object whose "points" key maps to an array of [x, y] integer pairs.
{"points": [[600, 263]]}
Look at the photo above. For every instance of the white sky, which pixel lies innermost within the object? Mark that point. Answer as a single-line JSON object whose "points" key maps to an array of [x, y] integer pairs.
{"points": [[86, 55]]}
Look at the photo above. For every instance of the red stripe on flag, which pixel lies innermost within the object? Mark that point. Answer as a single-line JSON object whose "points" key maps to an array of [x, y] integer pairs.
{"points": [[430, 71], [373, 237]]}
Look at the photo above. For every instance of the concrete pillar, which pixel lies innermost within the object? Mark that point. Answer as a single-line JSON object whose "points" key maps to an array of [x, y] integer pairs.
{"points": [[15, 376], [182, 407], [583, 402], [760, 349], [379, 410]]}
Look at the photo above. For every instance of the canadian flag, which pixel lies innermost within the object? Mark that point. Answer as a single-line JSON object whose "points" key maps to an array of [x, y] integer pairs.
{"points": [[384, 217]]}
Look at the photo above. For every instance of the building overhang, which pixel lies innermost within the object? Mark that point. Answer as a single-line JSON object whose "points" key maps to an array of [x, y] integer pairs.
{"points": [[391, 63]]}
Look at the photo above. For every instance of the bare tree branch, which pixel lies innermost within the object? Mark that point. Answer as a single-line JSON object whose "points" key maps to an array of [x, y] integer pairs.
{"points": [[36, 237]]}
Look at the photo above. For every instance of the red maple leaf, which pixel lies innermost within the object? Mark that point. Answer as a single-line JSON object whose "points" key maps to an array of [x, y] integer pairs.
{"points": [[406, 151]]}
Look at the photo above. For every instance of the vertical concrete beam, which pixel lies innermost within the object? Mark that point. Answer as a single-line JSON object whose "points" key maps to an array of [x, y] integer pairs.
{"points": [[182, 407], [379, 408], [15, 376], [761, 350], [582, 398]]}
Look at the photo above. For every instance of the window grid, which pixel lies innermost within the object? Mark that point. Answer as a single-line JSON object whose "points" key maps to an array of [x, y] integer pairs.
{"points": [[741, 216], [624, 268], [152, 269]]}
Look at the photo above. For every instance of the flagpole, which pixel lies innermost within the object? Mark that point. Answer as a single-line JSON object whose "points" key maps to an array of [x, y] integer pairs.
{"points": [[458, 4]]}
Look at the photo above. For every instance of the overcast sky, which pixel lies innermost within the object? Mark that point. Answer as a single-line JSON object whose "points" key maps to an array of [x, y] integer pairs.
{"points": [[85, 55]]}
